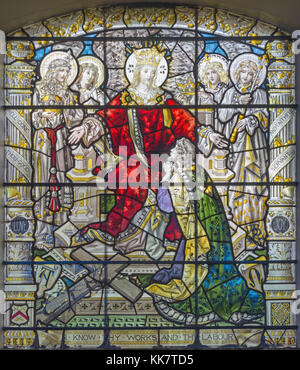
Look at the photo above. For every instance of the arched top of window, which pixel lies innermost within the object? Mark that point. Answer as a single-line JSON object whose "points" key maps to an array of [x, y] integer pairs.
{"points": [[150, 157], [204, 19]]}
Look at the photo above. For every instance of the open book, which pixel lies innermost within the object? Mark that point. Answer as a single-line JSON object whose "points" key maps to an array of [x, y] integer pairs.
{"points": [[63, 235]]}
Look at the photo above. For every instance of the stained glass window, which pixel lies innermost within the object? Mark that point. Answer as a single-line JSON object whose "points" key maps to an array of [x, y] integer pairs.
{"points": [[149, 181]]}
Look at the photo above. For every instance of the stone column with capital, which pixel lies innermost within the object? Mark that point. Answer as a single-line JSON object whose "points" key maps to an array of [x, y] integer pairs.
{"points": [[19, 285], [280, 282]]}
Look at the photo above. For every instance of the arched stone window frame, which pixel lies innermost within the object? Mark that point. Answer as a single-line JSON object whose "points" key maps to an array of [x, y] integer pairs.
{"points": [[43, 32]]}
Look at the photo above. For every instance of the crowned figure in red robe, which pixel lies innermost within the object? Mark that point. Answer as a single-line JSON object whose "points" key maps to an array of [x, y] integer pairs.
{"points": [[141, 132], [141, 121]]}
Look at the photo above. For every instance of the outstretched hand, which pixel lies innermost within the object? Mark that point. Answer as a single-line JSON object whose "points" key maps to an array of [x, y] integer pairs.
{"points": [[219, 140], [76, 134]]}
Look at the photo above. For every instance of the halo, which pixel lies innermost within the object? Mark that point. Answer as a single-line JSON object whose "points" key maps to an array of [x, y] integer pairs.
{"points": [[212, 58], [60, 55], [161, 71], [254, 58], [97, 63]]}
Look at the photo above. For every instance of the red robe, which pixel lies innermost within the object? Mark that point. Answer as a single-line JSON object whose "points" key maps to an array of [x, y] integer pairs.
{"points": [[158, 138]]}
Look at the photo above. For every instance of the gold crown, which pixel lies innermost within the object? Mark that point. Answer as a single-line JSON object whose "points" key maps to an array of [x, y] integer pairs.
{"points": [[187, 88], [148, 56]]}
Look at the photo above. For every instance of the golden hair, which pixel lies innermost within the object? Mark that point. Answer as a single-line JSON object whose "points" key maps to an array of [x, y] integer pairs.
{"points": [[246, 63], [218, 67]]}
